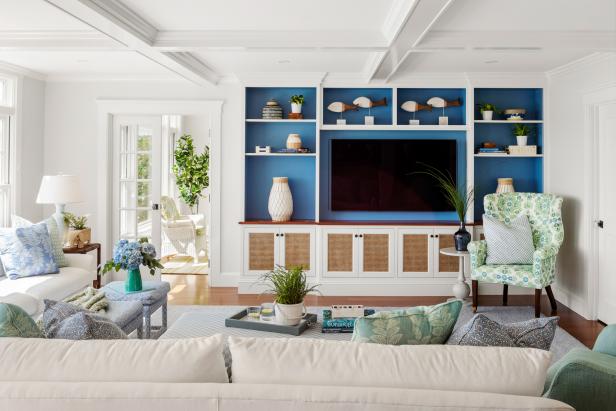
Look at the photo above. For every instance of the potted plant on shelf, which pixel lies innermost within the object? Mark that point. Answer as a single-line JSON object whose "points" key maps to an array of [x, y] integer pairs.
{"points": [[79, 234], [460, 200], [191, 171], [297, 101], [130, 255], [289, 287], [487, 111], [521, 132]]}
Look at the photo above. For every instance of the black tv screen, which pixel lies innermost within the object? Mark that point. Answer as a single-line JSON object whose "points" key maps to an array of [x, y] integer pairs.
{"points": [[381, 175]]}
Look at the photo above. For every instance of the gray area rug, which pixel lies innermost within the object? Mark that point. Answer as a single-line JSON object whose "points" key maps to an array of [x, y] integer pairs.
{"points": [[201, 320]]}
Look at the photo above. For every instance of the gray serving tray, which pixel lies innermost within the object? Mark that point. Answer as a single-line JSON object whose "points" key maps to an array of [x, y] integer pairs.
{"points": [[237, 321]]}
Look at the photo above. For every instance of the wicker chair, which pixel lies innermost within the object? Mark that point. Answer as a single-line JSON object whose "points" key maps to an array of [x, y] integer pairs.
{"points": [[186, 233], [544, 215]]}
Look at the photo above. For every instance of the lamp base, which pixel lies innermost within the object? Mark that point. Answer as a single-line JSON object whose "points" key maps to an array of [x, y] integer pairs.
{"points": [[59, 217]]}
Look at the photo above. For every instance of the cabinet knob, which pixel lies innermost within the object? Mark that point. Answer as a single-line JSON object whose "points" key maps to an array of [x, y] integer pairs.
{"points": [[277, 234], [361, 236], [282, 235], [355, 235], [431, 235], [436, 235]]}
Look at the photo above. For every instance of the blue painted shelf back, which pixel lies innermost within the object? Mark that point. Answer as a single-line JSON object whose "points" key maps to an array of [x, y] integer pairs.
{"points": [[457, 115], [256, 97], [275, 135], [382, 114], [530, 99]]}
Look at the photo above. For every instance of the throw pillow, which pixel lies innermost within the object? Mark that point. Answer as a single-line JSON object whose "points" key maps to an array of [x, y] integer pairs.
{"points": [[26, 252], [416, 325], [54, 233], [482, 331], [15, 322], [66, 321], [510, 243]]}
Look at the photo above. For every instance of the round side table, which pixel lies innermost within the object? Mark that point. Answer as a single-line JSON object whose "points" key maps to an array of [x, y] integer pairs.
{"points": [[461, 290]]}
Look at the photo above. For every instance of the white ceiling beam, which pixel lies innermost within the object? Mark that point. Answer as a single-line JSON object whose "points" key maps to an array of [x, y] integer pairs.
{"points": [[190, 40], [422, 16], [120, 23], [57, 40]]}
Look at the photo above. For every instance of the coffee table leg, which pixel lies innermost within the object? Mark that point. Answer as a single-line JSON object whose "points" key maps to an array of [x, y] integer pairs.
{"points": [[147, 317], [140, 331], [164, 308]]}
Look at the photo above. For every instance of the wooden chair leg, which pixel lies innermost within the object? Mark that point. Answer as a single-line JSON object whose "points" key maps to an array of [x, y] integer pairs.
{"points": [[505, 293], [475, 287], [553, 304], [537, 302]]}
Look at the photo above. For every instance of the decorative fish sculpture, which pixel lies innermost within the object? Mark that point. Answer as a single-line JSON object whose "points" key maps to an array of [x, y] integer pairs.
{"points": [[365, 102], [442, 103], [413, 106], [340, 107]]}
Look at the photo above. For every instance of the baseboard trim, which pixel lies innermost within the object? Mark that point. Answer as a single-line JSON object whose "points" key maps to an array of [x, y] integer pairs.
{"points": [[572, 301]]}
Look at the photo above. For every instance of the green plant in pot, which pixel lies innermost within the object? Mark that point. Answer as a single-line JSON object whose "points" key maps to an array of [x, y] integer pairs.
{"points": [[79, 234], [191, 171], [521, 133], [487, 111], [289, 287], [297, 101], [460, 201]]}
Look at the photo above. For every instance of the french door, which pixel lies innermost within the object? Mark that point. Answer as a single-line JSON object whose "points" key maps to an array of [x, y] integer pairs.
{"points": [[136, 178]]}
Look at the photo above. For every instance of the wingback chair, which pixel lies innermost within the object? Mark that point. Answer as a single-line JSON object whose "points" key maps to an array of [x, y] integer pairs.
{"points": [[185, 233], [544, 215]]}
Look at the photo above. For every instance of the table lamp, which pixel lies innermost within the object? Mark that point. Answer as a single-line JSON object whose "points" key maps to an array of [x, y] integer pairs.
{"points": [[60, 190]]}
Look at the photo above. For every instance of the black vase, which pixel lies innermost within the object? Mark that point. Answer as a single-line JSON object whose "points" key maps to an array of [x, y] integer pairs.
{"points": [[462, 238]]}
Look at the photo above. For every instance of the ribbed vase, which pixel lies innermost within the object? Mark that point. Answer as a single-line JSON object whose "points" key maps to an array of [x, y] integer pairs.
{"points": [[133, 280], [280, 205]]}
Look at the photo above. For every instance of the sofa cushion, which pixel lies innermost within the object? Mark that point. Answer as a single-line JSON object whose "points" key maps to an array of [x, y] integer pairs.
{"points": [[15, 322], [55, 235], [416, 325], [63, 320], [189, 360], [53, 286], [505, 370], [26, 252], [509, 242]]}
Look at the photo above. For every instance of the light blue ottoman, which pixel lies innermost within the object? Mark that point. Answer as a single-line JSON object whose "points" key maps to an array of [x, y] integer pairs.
{"points": [[152, 297]]}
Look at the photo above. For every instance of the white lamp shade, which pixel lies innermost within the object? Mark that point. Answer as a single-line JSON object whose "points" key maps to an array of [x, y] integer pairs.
{"points": [[60, 189]]}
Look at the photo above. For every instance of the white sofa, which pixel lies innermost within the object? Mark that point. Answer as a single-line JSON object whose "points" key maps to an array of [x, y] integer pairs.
{"points": [[189, 375], [29, 292]]}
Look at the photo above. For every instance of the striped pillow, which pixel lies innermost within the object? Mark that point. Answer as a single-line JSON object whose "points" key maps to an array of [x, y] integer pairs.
{"points": [[508, 243]]}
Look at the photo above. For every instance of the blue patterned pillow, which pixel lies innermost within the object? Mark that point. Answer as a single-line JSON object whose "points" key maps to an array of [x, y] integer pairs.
{"points": [[26, 252], [54, 232]]}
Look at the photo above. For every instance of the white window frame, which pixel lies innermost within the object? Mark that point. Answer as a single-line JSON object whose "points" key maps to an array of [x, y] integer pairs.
{"points": [[8, 111]]}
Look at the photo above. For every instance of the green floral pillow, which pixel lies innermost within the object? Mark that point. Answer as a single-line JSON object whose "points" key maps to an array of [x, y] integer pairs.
{"points": [[416, 325], [15, 322]]}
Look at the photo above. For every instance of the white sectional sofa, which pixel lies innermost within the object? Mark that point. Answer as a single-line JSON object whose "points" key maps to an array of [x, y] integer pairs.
{"points": [[189, 375], [29, 292]]}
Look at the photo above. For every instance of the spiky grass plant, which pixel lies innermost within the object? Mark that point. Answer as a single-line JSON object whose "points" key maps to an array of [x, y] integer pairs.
{"points": [[459, 200], [288, 285]]}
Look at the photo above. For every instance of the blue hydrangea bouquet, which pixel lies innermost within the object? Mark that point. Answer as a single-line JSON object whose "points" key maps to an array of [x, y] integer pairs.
{"points": [[130, 255]]}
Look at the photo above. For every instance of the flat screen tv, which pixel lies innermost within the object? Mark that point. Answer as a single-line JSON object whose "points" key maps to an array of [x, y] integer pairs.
{"points": [[380, 175]]}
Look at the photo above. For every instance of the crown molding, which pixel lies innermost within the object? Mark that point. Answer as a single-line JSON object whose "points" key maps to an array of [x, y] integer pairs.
{"points": [[281, 79], [581, 63], [57, 40], [23, 71]]}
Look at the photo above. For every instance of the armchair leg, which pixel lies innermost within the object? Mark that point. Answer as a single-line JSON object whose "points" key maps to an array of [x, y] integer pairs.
{"points": [[475, 286], [505, 293], [553, 304], [537, 302]]}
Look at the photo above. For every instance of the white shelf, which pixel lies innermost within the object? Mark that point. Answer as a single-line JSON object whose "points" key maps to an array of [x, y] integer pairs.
{"points": [[508, 121], [284, 120], [281, 154], [506, 155], [392, 127]]}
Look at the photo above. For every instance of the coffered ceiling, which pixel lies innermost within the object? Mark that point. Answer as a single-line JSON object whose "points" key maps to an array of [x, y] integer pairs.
{"points": [[374, 41]]}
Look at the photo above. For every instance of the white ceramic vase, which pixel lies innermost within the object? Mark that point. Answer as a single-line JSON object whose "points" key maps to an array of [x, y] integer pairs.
{"points": [[294, 141], [289, 314], [280, 204], [296, 108], [522, 140], [487, 115]]}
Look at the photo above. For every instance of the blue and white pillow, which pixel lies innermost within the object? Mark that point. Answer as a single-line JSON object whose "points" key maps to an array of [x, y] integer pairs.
{"points": [[26, 252], [55, 233]]}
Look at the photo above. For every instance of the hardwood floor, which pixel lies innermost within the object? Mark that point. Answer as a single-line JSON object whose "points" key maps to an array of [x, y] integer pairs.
{"points": [[193, 290]]}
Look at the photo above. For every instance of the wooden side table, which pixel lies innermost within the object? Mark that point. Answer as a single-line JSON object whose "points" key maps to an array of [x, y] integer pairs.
{"points": [[84, 250]]}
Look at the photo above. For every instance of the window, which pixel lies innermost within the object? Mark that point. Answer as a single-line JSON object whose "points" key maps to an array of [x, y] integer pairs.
{"points": [[7, 121]]}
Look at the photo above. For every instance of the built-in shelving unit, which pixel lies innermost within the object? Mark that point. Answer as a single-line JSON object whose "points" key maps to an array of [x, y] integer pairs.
{"points": [[424, 127]]}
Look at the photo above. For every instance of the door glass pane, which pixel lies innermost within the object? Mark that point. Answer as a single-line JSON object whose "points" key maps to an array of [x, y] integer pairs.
{"points": [[127, 166], [144, 223], [144, 141], [143, 166], [143, 194], [127, 194], [128, 224]]}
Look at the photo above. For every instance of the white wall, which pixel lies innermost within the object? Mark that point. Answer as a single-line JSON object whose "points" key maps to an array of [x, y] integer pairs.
{"points": [[566, 170], [71, 133], [30, 146]]}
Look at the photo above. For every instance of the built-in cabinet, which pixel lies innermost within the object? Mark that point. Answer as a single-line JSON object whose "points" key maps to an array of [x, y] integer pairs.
{"points": [[419, 252]]}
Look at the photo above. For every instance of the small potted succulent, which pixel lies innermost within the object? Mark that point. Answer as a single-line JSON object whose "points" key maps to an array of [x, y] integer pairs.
{"points": [[487, 111], [289, 287], [521, 132], [130, 255], [79, 234], [297, 101]]}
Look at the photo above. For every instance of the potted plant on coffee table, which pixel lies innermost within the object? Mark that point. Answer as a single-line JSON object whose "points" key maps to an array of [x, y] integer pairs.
{"points": [[130, 255], [487, 111], [289, 287]]}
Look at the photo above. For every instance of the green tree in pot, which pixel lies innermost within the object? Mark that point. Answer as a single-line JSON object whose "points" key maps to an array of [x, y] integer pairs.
{"points": [[458, 199], [289, 287], [191, 171]]}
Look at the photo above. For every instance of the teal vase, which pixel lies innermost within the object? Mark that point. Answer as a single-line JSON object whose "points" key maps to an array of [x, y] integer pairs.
{"points": [[133, 281]]}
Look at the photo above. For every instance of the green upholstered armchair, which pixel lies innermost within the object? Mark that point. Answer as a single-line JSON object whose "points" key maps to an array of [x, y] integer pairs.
{"points": [[586, 379], [544, 215]]}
